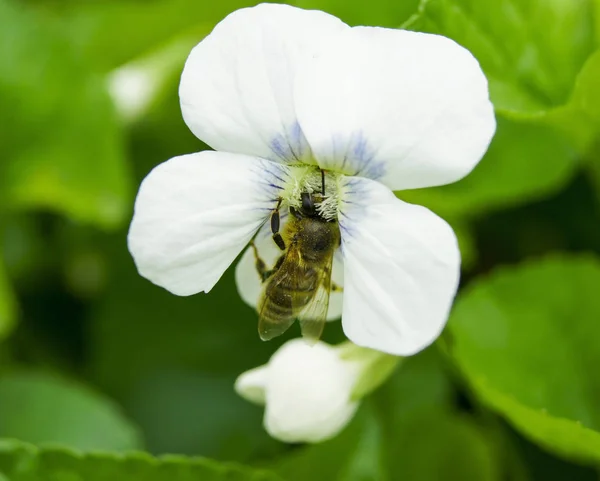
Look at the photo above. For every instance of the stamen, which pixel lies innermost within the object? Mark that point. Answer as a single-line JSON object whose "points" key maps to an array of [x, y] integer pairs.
{"points": [[313, 180]]}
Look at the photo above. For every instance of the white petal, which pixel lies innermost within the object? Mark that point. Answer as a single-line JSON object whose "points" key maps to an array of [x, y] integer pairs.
{"points": [[308, 392], [195, 213], [409, 109], [401, 270], [336, 299], [251, 385], [249, 282], [236, 88]]}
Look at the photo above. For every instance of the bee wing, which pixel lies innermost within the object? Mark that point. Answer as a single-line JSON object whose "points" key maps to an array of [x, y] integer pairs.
{"points": [[288, 272], [312, 318]]}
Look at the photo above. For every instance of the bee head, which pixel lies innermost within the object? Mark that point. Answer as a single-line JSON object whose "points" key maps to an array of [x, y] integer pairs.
{"points": [[308, 208]]}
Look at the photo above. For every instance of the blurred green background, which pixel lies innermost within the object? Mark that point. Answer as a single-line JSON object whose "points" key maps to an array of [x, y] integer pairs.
{"points": [[96, 361]]}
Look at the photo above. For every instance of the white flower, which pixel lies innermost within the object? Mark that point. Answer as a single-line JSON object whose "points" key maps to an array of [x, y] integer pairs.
{"points": [[280, 92], [309, 391]]}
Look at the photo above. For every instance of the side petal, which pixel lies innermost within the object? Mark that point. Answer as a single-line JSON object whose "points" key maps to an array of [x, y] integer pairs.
{"points": [[236, 87], [252, 384], [249, 283], [195, 213], [409, 109], [401, 270], [308, 392]]}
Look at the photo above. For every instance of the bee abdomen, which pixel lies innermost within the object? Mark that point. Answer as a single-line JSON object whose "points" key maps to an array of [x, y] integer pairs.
{"points": [[284, 301], [285, 304]]}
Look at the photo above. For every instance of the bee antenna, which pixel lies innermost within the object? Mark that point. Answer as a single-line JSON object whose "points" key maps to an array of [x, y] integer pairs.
{"points": [[323, 182]]}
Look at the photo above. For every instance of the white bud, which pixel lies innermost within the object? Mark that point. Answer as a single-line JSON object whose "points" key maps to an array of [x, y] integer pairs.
{"points": [[308, 390]]}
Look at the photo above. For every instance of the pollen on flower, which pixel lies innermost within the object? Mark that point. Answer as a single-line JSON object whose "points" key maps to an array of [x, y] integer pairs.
{"points": [[308, 178]]}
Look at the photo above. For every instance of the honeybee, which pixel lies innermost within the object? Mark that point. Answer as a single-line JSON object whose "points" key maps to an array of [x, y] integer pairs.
{"points": [[299, 285]]}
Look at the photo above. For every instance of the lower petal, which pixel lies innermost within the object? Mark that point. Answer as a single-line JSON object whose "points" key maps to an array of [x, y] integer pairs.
{"points": [[195, 213], [401, 270]]}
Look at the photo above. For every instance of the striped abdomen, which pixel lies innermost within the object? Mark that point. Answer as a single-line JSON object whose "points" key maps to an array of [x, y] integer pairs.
{"points": [[286, 296]]}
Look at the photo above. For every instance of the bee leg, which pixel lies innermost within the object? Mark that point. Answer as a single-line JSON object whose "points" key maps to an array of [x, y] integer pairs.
{"points": [[275, 219], [279, 241], [260, 265]]}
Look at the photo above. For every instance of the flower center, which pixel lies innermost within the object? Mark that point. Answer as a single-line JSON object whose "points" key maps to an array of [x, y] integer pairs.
{"points": [[325, 186]]}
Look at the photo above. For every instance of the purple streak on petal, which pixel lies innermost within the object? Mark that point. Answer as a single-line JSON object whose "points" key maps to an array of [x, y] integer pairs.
{"points": [[291, 146], [356, 195], [354, 155], [271, 178]]}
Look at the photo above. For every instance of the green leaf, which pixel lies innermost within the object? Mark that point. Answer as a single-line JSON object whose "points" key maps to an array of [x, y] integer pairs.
{"points": [[420, 385], [586, 95], [530, 50], [442, 446], [23, 462], [593, 172], [158, 71], [430, 447], [381, 13], [526, 339], [61, 141], [466, 243], [579, 119], [190, 412], [354, 455], [8, 305], [525, 161], [44, 409], [110, 33], [425, 439]]}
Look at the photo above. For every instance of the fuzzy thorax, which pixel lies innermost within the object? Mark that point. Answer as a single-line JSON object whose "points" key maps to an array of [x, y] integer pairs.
{"points": [[308, 179]]}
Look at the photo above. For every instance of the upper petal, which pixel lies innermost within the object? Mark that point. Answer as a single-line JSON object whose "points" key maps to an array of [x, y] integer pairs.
{"points": [[250, 285], [409, 109], [401, 270], [195, 213], [236, 87]]}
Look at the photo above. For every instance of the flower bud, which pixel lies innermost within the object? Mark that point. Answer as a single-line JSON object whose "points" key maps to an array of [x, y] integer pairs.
{"points": [[309, 390]]}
